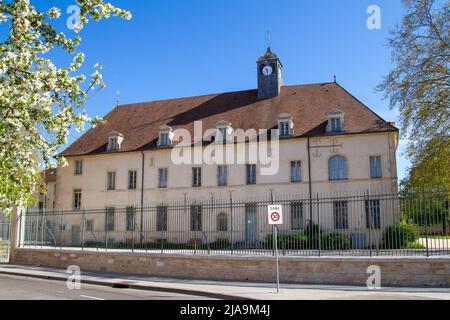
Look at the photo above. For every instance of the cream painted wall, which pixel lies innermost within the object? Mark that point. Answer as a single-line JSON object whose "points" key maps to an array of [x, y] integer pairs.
{"points": [[356, 148]]}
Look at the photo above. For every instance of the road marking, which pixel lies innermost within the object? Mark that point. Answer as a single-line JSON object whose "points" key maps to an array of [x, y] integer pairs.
{"points": [[90, 297]]}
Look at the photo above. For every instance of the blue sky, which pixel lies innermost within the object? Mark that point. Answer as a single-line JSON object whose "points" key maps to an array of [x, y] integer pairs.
{"points": [[178, 48]]}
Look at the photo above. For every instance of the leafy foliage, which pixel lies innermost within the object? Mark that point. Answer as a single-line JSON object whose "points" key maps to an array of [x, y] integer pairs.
{"points": [[400, 236], [39, 102], [419, 86]]}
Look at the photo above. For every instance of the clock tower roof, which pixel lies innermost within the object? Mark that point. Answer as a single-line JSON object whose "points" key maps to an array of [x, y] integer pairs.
{"points": [[268, 55]]}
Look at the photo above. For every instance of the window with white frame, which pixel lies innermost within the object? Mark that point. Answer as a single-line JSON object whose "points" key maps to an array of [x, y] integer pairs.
{"points": [[196, 218], [115, 140], [111, 184], [296, 171], [296, 215], [196, 177], [375, 167], [131, 218], [337, 167], [162, 178], [285, 125], [223, 132], [335, 121], [161, 218], [251, 174], [340, 210], [76, 199], [165, 136], [78, 167], [132, 179], [222, 176], [110, 220]]}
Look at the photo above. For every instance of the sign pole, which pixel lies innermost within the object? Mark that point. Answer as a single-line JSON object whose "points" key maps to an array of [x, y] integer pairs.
{"points": [[275, 230], [275, 218]]}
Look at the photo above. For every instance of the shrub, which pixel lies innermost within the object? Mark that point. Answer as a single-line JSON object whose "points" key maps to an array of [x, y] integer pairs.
{"points": [[414, 245], [294, 241], [335, 241], [400, 235]]}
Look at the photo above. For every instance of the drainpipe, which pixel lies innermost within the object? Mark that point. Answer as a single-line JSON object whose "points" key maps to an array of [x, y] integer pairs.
{"points": [[309, 181], [142, 195]]}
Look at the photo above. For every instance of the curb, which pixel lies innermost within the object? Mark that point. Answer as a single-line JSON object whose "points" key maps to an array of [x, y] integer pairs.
{"points": [[125, 285]]}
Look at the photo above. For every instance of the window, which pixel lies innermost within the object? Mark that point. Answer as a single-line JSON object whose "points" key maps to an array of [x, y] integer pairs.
{"points": [[373, 217], [222, 176], [340, 215], [285, 125], [251, 173], [110, 219], [196, 218], [336, 124], [113, 144], [296, 215], [164, 139], [131, 219], [196, 177], [78, 167], [111, 181], [77, 199], [132, 178], [162, 178], [161, 218], [222, 223], [284, 129], [165, 136], [223, 135], [296, 168], [337, 167], [89, 225], [375, 167]]}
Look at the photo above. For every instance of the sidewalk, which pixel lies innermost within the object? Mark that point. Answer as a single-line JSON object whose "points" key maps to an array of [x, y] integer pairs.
{"points": [[232, 290]]}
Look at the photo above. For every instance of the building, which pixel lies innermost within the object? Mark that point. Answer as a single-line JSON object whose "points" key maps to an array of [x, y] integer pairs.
{"points": [[329, 142]]}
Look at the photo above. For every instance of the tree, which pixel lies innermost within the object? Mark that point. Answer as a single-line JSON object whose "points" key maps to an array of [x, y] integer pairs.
{"points": [[40, 103], [419, 86]]}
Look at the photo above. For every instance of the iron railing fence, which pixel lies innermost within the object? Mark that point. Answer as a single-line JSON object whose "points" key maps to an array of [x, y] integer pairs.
{"points": [[364, 223], [5, 227]]}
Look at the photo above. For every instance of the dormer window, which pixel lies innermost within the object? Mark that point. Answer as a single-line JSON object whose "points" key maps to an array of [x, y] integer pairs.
{"points": [[285, 125], [335, 121], [165, 137], [115, 140], [224, 132]]}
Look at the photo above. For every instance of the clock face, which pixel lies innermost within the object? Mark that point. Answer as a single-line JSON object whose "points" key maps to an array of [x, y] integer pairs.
{"points": [[267, 70]]}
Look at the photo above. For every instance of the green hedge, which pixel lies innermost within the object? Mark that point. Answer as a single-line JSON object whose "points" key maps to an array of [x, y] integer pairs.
{"points": [[335, 241], [400, 236]]}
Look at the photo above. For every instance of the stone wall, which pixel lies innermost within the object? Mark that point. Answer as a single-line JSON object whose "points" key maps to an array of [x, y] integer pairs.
{"points": [[395, 271]]}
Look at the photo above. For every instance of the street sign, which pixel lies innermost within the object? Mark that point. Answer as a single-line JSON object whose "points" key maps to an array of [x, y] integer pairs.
{"points": [[275, 214]]}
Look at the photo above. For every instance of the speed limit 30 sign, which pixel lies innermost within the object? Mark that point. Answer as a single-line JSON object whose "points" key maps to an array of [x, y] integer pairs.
{"points": [[275, 214]]}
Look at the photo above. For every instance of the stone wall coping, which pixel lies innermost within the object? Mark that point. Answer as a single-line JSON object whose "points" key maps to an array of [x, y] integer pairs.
{"points": [[365, 259]]}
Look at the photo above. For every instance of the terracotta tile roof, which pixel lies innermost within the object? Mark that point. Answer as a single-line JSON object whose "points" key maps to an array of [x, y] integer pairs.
{"points": [[308, 105], [49, 175]]}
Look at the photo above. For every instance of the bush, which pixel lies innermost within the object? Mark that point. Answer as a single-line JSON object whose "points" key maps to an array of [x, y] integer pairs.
{"points": [[335, 241], [292, 242], [400, 235], [414, 245]]}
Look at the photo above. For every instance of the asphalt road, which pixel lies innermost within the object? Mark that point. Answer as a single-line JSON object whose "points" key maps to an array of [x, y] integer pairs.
{"points": [[24, 288]]}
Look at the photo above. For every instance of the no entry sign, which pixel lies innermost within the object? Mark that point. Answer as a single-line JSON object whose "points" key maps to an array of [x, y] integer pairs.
{"points": [[275, 214]]}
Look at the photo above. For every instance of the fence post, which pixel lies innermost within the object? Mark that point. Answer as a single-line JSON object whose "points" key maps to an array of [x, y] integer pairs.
{"points": [[231, 222], [62, 228], [426, 220], [368, 209], [318, 222], [106, 229], [83, 223], [42, 228]]}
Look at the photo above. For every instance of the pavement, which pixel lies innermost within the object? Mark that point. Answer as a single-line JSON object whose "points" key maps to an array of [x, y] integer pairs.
{"points": [[227, 290], [27, 288]]}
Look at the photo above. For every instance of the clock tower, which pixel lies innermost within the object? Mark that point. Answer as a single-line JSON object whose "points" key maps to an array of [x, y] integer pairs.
{"points": [[270, 77]]}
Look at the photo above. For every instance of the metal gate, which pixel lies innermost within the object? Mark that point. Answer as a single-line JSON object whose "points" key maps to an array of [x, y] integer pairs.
{"points": [[5, 231]]}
